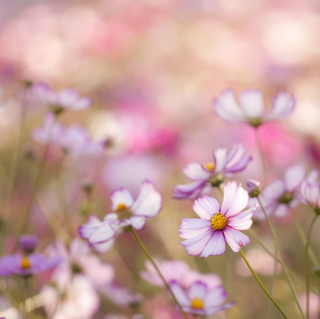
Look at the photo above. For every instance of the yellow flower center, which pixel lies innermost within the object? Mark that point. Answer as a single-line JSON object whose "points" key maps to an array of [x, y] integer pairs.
{"points": [[25, 263], [218, 221], [209, 166], [123, 211], [121, 206], [197, 303]]}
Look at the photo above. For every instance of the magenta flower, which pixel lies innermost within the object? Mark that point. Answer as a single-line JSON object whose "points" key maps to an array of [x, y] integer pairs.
{"points": [[199, 299], [65, 99], [251, 107], [178, 271], [280, 196], [28, 243], [207, 236], [26, 265], [127, 212], [212, 174]]}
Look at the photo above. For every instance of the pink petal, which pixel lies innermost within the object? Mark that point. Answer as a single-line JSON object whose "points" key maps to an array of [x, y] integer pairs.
{"points": [[191, 191], [215, 297], [192, 227], [195, 246], [215, 246], [179, 293], [235, 239], [281, 210], [212, 310], [196, 172], [206, 206]]}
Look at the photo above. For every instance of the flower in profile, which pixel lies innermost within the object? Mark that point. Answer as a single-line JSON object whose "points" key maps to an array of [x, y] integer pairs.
{"points": [[126, 212], [253, 188], [199, 299], [180, 272], [58, 102], [280, 196], [212, 174], [310, 191], [251, 107], [207, 236]]}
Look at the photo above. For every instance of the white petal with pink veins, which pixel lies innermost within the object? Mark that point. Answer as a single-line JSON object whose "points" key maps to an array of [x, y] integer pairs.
{"points": [[195, 246], [237, 203], [215, 246], [220, 159], [121, 196], [192, 227], [206, 206], [235, 239], [196, 172], [293, 177], [148, 202], [230, 191], [252, 103]]}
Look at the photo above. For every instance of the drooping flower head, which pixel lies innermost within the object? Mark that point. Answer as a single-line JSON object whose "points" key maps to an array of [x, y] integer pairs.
{"points": [[178, 271], [212, 174], [199, 299], [251, 107], [58, 102], [126, 212], [207, 236], [280, 196]]}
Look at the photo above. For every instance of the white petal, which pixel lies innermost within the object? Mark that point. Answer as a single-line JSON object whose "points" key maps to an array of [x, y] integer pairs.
{"points": [[283, 105], [137, 222], [197, 290], [148, 202], [220, 159], [121, 196], [215, 297], [191, 191], [281, 210], [293, 177], [274, 190], [252, 103], [102, 248], [196, 172], [215, 246], [195, 246], [192, 227], [235, 239], [206, 206], [234, 205], [179, 293]]}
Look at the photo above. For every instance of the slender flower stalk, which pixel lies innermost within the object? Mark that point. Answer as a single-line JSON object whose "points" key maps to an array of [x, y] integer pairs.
{"points": [[281, 258], [149, 257], [263, 164], [304, 238], [307, 263], [273, 278], [262, 286]]}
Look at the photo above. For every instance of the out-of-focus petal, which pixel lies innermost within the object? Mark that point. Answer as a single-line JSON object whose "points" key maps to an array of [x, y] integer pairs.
{"points": [[121, 196], [179, 293], [283, 105], [220, 159], [252, 103], [293, 177], [274, 190], [196, 172], [215, 297], [197, 290]]}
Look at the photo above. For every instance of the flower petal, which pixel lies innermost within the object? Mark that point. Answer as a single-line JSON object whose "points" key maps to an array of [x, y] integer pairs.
{"points": [[215, 246], [196, 172], [192, 227], [121, 196], [274, 190], [235, 239], [293, 177], [197, 290], [283, 105], [206, 206], [179, 293], [215, 297], [220, 159], [252, 103], [235, 199], [212, 310], [137, 222], [191, 191], [195, 245]]}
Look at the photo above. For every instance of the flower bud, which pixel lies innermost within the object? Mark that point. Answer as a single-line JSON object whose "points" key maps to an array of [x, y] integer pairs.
{"points": [[28, 243], [253, 187]]}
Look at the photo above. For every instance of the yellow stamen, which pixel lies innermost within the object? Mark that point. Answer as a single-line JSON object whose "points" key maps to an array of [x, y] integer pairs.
{"points": [[209, 166], [121, 206], [25, 263], [197, 303], [218, 221]]}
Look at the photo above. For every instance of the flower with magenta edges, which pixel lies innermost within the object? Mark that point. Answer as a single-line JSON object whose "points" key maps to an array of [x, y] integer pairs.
{"points": [[126, 212], [207, 236], [199, 299], [212, 174], [250, 109]]}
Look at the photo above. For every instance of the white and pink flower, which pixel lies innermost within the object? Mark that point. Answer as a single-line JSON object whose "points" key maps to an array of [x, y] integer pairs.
{"points": [[199, 299], [310, 191], [127, 212], [207, 236], [212, 174], [251, 107]]}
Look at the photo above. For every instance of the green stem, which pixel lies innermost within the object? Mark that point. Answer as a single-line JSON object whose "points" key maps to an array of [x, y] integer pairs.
{"points": [[304, 238], [274, 274], [307, 263], [148, 256], [263, 164], [261, 285], [281, 258]]}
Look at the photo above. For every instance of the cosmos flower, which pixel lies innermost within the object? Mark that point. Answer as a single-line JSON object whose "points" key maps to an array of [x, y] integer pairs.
{"points": [[207, 236], [180, 272], [199, 299], [23, 265], [58, 102], [212, 174], [310, 191], [280, 196], [127, 212], [250, 109]]}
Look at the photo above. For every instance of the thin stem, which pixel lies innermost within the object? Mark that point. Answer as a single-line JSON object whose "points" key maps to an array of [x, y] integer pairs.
{"points": [[274, 274], [264, 247], [304, 238], [148, 256], [261, 285], [307, 262], [263, 164], [281, 258], [220, 190]]}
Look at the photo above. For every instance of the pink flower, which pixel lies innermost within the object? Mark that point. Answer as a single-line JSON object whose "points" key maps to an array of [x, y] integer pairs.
{"points": [[207, 236], [280, 196], [310, 191], [127, 212], [250, 108], [180, 272], [200, 299], [212, 174], [65, 99]]}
